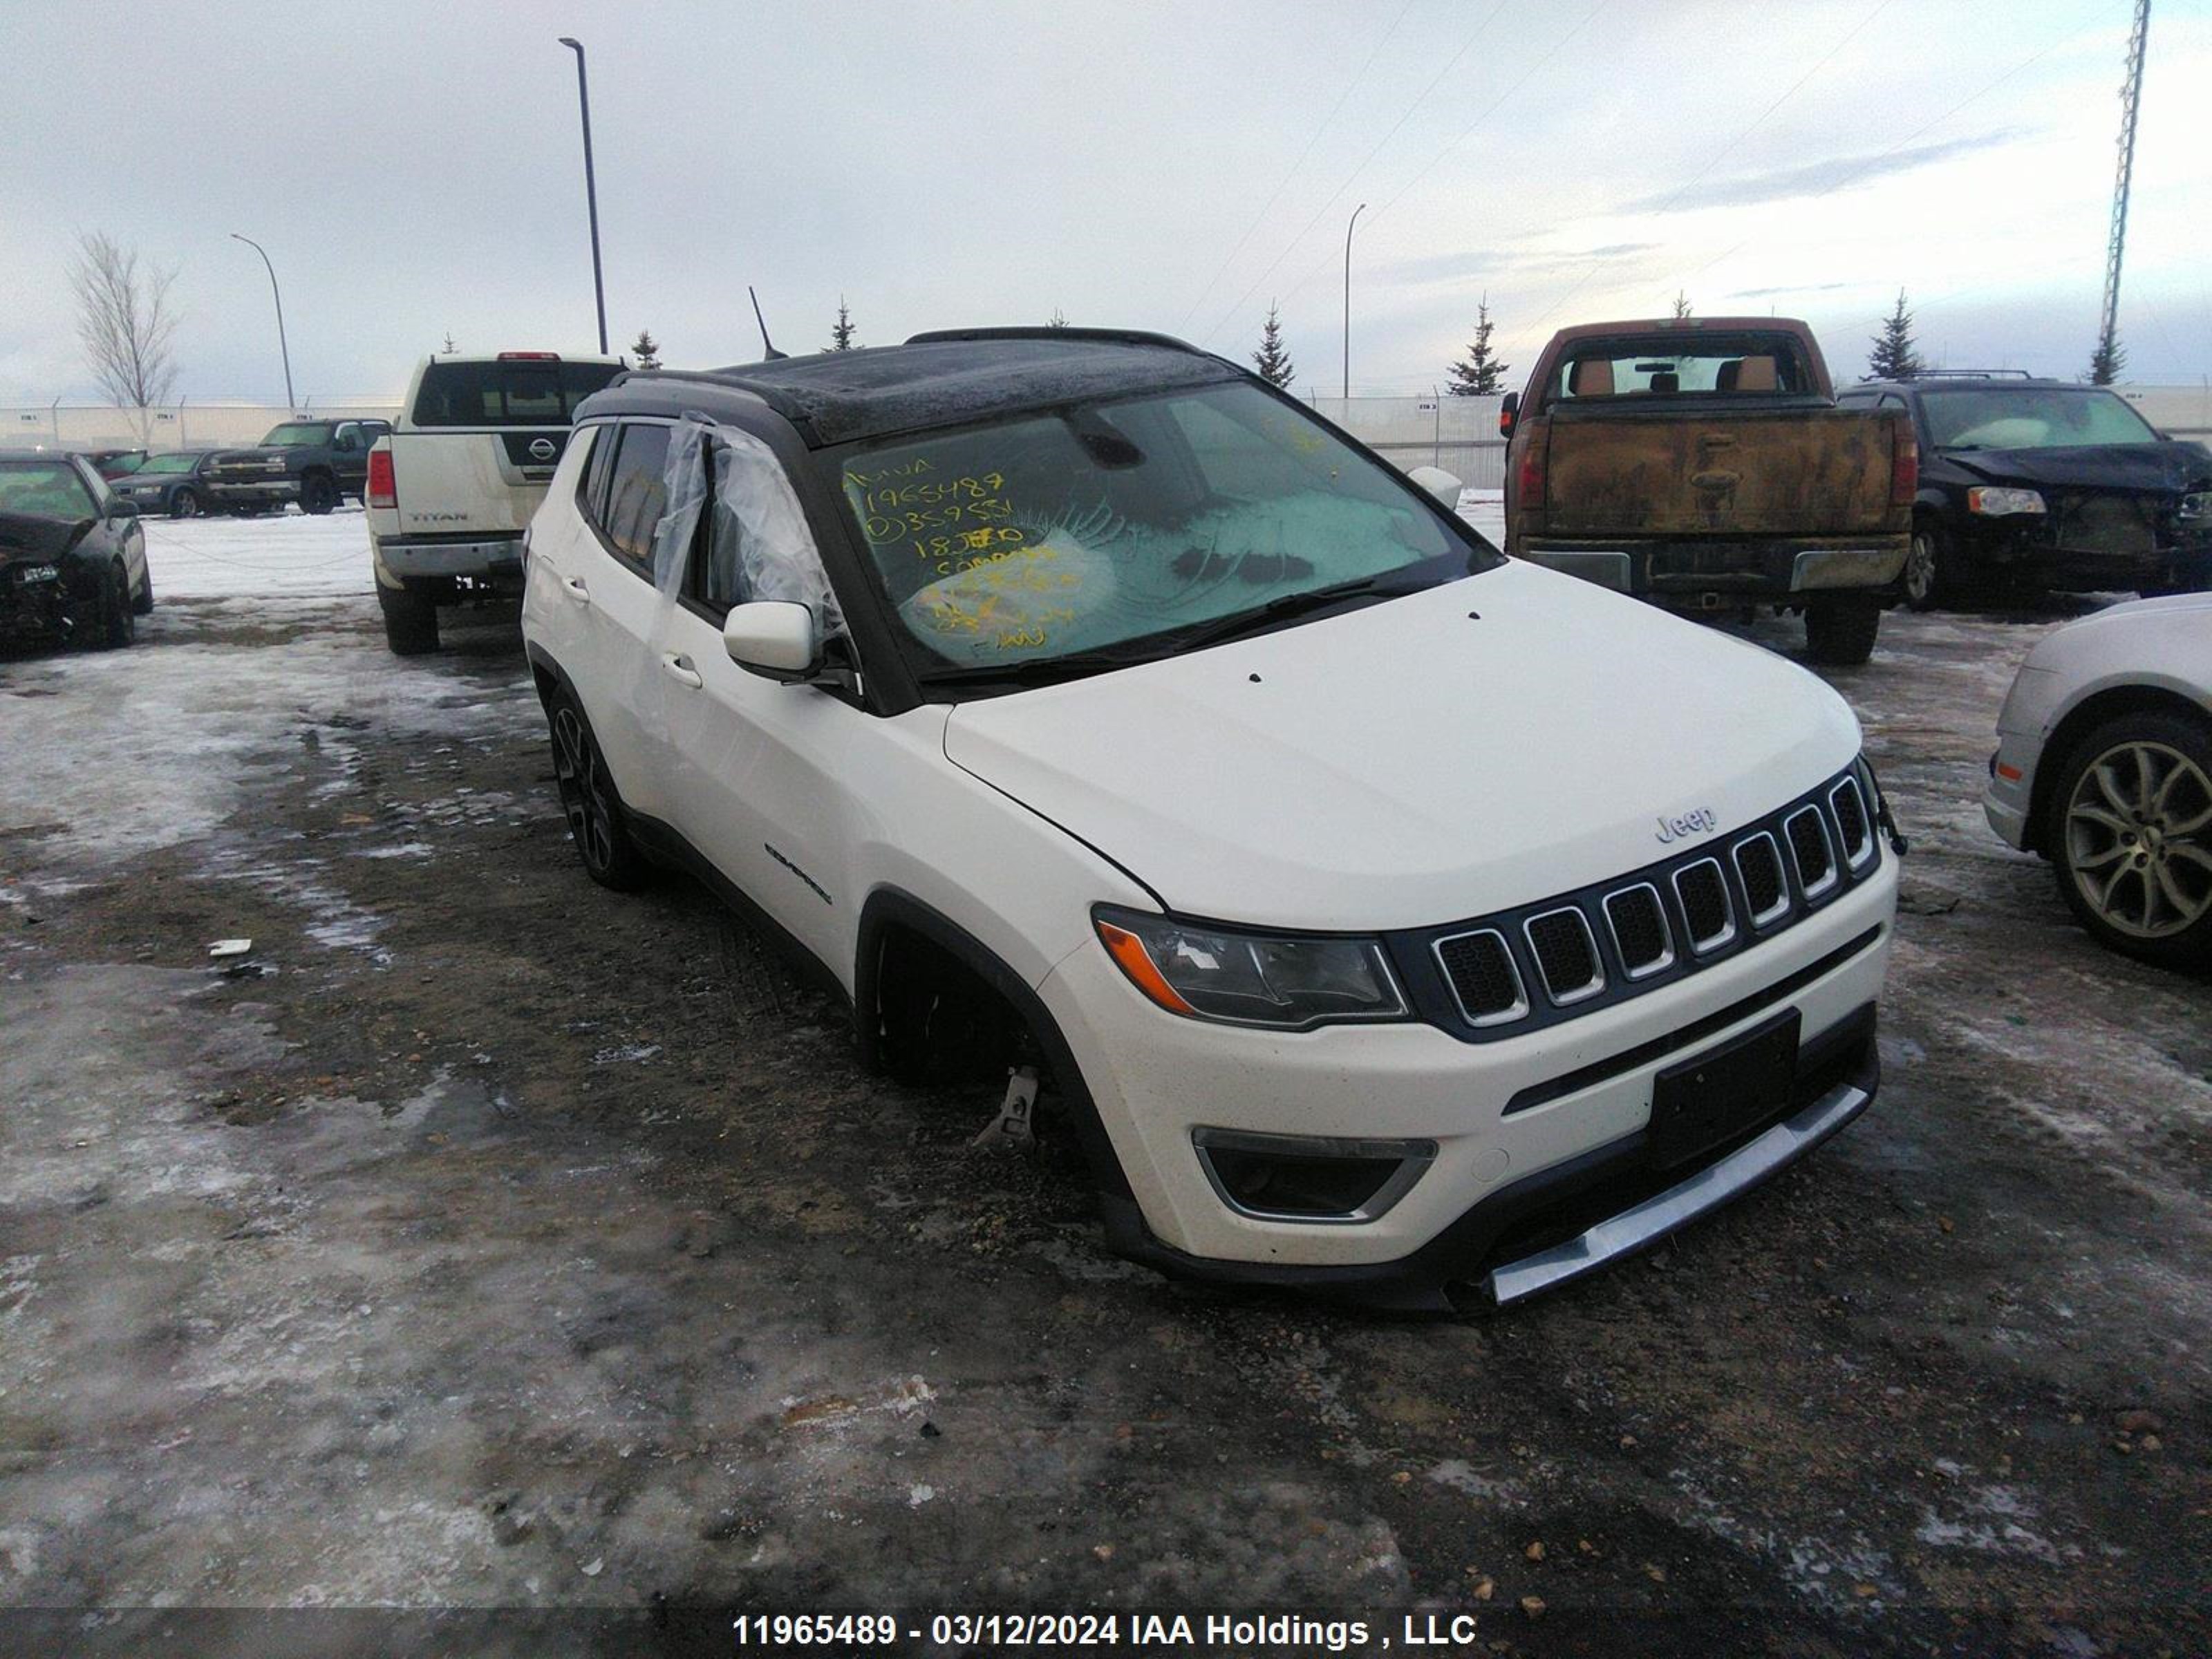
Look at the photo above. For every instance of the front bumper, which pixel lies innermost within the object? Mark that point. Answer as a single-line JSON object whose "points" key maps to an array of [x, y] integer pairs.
{"points": [[1693, 575], [259, 492], [2130, 558], [1156, 1079]]}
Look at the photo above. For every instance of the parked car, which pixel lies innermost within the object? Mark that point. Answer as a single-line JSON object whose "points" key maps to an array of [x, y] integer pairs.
{"points": [[113, 464], [1381, 915], [315, 463], [1702, 464], [451, 491], [72, 556], [173, 483], [2029, 485], [2104, 766]]}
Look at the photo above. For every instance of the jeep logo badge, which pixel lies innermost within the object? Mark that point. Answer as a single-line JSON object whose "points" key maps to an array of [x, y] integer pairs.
{"points": [[543, 449], [1703, 822]]}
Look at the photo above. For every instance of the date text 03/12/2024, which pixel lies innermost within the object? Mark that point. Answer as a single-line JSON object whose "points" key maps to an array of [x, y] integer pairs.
{"points": [[1187, 1632]]}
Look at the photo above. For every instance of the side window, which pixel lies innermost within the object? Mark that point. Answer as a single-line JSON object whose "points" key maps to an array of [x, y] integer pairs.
{"points": [[1890, 400], [348, 437], [592, 490], [718, 570], [637, 492]]}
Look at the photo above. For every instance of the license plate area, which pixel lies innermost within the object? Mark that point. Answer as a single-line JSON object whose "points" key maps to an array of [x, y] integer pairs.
{"points": [[1714, 1096]]}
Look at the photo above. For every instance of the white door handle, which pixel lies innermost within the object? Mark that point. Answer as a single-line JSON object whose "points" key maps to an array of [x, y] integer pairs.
{"points": [[576, 590], [681, 670]]}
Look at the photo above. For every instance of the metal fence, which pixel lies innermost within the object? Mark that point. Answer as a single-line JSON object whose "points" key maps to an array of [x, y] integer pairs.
{"points": [[185, 425], [1459, 434]]}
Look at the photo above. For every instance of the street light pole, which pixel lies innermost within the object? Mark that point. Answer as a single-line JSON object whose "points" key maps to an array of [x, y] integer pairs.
{"points": [[591, 187], [289, 401], [1356, 212]]}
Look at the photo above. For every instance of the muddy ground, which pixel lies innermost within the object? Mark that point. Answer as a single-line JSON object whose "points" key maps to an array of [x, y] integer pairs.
{"points": [[494, 1240]]}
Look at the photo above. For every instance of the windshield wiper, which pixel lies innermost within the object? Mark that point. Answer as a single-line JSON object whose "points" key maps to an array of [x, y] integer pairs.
{"points": [[1038, 671], [1292, 605]]}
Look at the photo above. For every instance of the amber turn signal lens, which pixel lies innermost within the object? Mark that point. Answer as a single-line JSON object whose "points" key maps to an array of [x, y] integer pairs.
{"points": [[1129, 954]]}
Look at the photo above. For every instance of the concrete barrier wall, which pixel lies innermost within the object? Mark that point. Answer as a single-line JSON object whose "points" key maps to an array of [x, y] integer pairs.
{"points": [[177, 426]]}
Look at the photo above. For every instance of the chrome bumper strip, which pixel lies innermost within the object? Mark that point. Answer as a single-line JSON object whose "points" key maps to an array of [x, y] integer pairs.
{"points": [[1656, 1217]]}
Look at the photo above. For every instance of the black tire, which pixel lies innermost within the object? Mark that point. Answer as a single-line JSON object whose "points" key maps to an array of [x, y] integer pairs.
{"points": [[141, 603], [318, 494], [2134, 799], [596, 826], [183, 502], [1935, 576], [411, 622], [1839, 633], [119, 623]]}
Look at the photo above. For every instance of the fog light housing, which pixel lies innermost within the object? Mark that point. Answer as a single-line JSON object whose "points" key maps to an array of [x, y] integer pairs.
{"points": [[1316, 1178]]}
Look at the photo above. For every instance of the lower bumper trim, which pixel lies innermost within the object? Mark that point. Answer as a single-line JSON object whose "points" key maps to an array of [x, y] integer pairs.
{"points": [[1645, 1224]]}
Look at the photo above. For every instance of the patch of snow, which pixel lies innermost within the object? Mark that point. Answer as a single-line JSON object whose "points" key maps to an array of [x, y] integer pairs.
{"points": [[289, 556]]}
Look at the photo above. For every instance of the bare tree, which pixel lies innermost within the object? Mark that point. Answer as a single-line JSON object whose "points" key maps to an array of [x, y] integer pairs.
{"points": [[124, 322]]}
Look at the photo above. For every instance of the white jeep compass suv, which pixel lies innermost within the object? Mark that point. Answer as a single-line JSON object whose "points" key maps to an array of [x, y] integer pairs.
{"points": [[1385, 918]]}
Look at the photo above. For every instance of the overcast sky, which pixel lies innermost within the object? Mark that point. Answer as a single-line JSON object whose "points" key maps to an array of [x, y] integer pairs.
{"points": [[416, 169]]}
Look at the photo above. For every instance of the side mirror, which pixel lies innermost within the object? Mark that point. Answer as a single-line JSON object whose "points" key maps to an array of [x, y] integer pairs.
{"points": [[1438, 484], [119, 508], [1509, 413], [774, 638]]}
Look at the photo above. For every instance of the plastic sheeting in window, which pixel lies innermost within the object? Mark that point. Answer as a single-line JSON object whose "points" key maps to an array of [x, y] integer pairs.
{"points": [[758, 545]]}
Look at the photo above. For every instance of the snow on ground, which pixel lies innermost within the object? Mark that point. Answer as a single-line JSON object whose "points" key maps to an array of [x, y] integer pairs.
{"points": [[157, 745], [289, 555], [1486, 510]]}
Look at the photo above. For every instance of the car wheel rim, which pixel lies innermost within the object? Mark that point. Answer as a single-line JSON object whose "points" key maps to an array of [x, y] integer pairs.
{"points": [[2139, 840], [188, 505], [583, 793], [1920, 569]]}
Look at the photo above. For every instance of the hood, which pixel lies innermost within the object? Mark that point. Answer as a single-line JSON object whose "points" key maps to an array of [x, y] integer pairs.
{"points": [[2174, 469], [34, 538], [1407, 764]]}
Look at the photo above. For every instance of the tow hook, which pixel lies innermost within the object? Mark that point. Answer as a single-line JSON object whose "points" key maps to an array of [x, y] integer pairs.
{"points": [[1014, 1126]]}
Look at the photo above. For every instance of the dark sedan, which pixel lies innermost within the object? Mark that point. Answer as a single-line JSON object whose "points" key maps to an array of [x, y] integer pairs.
{"points": [[174, 484], [2029, 485], [72, 556]]}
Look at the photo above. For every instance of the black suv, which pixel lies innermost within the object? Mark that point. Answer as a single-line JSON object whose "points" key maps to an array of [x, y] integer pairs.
{"points": [[2031, 485], [314, 463]]}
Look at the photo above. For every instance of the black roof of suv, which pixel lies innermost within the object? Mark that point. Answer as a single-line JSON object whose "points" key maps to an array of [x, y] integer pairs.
{"points": [[943, 379]]}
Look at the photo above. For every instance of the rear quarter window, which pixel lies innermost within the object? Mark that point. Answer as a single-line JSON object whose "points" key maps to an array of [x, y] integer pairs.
{"points": [[507, 393]]}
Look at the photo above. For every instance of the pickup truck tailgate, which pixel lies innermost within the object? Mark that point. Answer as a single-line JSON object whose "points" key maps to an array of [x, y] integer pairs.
{"points": [[1798, 472], [450, 482]]}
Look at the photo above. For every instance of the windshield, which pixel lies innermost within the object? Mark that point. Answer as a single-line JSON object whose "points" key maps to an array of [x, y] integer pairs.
{"points": [[297, 434], [50, 489], [170, 463], [2031, 417], [1128, 527]]}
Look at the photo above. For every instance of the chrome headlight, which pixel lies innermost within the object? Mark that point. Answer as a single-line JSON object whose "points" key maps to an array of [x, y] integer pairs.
{"points": [[1288, 981], [1995, 502]]}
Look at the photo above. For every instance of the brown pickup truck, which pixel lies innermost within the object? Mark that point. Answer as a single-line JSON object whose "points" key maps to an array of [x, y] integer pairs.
{"points": [[1702, 464]]}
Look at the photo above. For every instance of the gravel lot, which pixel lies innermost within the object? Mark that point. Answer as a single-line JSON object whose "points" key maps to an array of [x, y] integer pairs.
{"points": [[494, 1240]]}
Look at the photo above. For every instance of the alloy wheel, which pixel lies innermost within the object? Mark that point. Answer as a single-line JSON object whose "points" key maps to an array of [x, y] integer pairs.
{"points": [[582, 784], [2139, 839], [1920, 571]]}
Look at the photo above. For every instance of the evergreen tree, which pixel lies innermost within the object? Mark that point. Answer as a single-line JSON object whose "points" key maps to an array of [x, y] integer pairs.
{"points": [[840, 336], [646, 350], [1681, 303], [1894, 356], [2110, 358], [1057, 322], [450, 346], [1479, 375], [1272, 362]]}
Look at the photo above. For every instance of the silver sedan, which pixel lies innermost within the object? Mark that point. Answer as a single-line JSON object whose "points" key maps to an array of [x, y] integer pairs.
{"points": [[2104, 766]]}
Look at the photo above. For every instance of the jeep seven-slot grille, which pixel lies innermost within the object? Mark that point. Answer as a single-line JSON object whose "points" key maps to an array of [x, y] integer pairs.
{"points": [[1546, 961], [1483, 976], [1566, 955], [1759, 861]]}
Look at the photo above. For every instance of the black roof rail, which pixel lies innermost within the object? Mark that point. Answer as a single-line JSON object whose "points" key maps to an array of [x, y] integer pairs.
{"points": [[1063, 332], [1973, 375]]}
